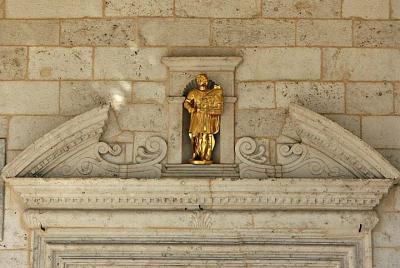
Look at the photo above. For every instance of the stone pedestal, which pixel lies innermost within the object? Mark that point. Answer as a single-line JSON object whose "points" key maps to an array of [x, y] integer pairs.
{"points": [[182, 70]]}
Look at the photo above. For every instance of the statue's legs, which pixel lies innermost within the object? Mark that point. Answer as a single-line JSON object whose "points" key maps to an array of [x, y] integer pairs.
{"points": [[203, 145]]}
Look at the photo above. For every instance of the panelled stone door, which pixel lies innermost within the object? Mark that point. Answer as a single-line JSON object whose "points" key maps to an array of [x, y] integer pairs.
{"points": [[310, 207]]}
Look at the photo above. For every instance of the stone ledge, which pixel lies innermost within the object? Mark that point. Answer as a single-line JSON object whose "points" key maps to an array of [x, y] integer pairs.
{"points": [[200, 194]]}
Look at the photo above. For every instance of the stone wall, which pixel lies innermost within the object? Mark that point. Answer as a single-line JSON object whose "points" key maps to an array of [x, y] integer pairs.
{"points": [[341, 58]]}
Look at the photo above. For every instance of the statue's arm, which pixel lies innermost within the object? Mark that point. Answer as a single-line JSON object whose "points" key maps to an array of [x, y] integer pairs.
{"points": [[189, 103]]}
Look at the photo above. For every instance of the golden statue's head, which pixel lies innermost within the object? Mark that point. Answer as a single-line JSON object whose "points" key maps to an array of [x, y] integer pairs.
{"points": [[202, 81]]}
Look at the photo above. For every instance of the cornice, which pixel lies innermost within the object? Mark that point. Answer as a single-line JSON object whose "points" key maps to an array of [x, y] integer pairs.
{"points": [[200, 194]]}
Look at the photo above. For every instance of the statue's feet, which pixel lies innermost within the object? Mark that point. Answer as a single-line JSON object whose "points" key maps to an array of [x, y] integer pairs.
{"points": [[200, 162]]}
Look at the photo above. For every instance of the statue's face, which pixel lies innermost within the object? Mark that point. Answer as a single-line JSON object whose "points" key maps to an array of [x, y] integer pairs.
{"points": [[202, 81]]}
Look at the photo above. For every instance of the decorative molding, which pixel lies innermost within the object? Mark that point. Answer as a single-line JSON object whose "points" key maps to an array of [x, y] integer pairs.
{"points": [[74, 149], [192, 194], [313, 146], [201, 250]]}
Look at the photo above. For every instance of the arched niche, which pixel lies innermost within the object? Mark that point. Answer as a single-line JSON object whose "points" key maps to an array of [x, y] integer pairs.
{"points": [[314, 207]]}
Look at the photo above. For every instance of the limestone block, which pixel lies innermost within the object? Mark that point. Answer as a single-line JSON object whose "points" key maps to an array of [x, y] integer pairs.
{"points": [[29, 32], [349, 122], [397, 98], [381, 131], [324, 33], [395, 9], [302, 8], [3, 126], [279, 64], [377, 33], [98, 32], [259, 123], [203, 52], [130, 63], [179, 80], [2, 8], [149, 92], [174, 32], [77, 97], [14, 258], [366, 9], [60, 63], [2, 156], [386, 257], [319, 97], [12, 154], [386, 232], [256, 95], [256, 32], [123, 8], [365, 64], [53, 8], [19, 97], [369, 98], [24, 130], [15, 234], [142, 117], [12, 63], [393, 156], [218, 8]]}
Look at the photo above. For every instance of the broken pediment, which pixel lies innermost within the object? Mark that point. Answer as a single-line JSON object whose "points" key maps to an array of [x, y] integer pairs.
{"points": [[310, 146]]}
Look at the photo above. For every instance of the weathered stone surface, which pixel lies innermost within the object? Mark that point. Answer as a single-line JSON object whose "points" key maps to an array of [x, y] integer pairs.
{"points": [[319, 97], [393, 156], [395, 9], [2, 159], [46, 63], [302, 8], [174, 32], [77, 97], [130, 63], [24, 130], [53, 8], [131, 117], [256, 95], [367, 64], [2, 8], [19, 97], [366, 9], [349, 122], [14, 258], [98, 32], [386, 257], [125, 8], [12, 63], [377, 33], [218, 8], [369, 98], [397, 98], [324, 33], [259, 123], [386, 232], [29, 32], [3, 126], [258, 32], [15, 234], [12, 154], [279, 64], [149, 92], [381, 131]]}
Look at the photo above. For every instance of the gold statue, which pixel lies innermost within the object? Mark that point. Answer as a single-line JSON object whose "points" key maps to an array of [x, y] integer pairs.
{"points": [[205, 106]]}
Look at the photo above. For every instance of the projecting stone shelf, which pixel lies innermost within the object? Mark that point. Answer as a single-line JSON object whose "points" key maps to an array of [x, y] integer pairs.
{"points": [[204, 171]]}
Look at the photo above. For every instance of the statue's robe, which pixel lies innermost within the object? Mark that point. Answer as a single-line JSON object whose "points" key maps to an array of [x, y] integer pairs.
{"points": [[207, 108]]}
